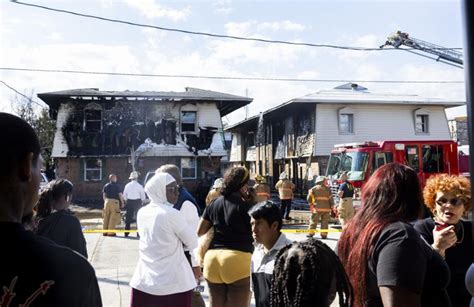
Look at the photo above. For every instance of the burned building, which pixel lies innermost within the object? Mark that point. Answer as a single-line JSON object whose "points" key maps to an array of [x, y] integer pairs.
{"points": [[103, 132], [298, 135]]}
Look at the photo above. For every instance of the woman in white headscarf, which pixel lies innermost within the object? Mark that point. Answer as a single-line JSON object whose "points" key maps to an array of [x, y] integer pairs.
{"points": [[163, 276]]}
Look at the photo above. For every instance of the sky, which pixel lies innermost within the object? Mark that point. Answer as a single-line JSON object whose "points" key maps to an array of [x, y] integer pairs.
{"points": [[37, 38]]}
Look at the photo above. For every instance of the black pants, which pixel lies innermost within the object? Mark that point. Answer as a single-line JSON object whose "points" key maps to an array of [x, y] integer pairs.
{"points": [[285, 208], [132, 206]]}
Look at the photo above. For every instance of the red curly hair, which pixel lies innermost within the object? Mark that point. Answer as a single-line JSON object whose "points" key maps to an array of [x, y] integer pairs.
{"points": [[460, 186]]}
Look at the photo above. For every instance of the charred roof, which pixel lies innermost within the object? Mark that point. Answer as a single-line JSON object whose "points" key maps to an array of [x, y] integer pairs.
{"points": [[226, 103]]}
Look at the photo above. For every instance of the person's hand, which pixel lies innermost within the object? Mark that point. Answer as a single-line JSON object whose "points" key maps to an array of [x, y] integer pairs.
{"points": [[444, 239], [197, 272]]}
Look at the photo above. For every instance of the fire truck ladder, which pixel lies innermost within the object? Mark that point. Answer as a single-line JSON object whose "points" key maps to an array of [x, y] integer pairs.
{"points": [[446, 55]]}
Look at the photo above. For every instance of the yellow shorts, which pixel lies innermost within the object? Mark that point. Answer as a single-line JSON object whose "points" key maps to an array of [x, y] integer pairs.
{"points": [[225, 266]]}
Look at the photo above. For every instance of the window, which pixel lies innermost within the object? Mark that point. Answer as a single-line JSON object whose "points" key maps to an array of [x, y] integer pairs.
{"points": [[381, 158], [412, 157], [250, 139], [93, 170], [433, 159], [346, 121], [421, 123], [188, 168], [93, 118], [188, 121]]}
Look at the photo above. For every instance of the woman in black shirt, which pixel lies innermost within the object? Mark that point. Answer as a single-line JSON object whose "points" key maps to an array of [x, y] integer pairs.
{"points": [[55, 221], [448, 197], [227, 262], [386, 260]]}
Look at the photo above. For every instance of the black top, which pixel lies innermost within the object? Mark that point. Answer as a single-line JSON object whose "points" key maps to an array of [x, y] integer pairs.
{"points": [[36, 270], [347, 189], [402, 258], [231, 222], [112, 190], [458, 258], [64, 229]]}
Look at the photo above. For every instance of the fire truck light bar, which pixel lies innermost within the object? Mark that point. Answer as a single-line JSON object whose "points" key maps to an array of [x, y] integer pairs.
{"points": [[356, 145]]}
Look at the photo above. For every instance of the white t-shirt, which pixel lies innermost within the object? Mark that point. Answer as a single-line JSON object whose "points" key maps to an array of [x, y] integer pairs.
{"points": [[133, 190], [162, 268]]}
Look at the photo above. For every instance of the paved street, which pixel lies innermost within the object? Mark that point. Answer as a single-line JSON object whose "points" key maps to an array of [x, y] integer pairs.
{"points": [[114, 259]]}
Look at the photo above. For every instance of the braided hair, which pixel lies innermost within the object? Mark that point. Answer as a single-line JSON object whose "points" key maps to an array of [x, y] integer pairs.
{"points": [[54, 191], [309, 273]]}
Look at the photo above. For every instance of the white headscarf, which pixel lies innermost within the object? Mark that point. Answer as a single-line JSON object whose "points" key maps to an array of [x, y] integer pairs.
{"points": [[155, 188]]}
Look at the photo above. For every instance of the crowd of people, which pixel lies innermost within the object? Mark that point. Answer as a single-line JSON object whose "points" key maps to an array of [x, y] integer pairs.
{"points": [[387, 254]]}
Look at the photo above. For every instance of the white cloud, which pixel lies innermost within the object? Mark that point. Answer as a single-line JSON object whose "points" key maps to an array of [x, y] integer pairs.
{"points": [[367, 41], [245, 52], [54, 36], [150, 9], [436, 71], [239, 51], [223, 7], [239, 28], [281, 25], [247, 27]]}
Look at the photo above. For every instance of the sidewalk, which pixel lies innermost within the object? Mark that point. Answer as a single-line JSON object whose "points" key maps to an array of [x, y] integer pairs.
{"points": [[114, 260]]}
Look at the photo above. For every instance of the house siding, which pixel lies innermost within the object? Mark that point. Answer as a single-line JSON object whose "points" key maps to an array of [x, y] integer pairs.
{"points": [[236, 151], [91, 191], [376, 122]]}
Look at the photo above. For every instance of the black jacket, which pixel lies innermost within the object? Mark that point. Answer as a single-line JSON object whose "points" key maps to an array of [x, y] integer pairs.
{"points": [[64, 229]]}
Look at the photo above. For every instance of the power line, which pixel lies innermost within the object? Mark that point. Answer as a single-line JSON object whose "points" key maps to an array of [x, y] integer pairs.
{"points": [[224, 77], [23, 95], [205, 33]]}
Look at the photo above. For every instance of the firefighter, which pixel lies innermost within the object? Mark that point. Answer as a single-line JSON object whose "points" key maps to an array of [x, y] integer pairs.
{"points": [[285, 190], [262, 189], [346, 193], [320, 204]]}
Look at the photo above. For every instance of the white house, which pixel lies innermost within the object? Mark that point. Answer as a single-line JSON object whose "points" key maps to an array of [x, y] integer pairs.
{"points": [[299, 134]]}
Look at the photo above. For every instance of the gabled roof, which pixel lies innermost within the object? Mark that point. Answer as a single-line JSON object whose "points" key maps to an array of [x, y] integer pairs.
{"points": [[351, 93], [226, 103]]}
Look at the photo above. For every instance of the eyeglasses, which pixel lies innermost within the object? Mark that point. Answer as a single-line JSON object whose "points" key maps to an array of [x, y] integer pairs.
{"points": [[452, 201], [174, 189]]}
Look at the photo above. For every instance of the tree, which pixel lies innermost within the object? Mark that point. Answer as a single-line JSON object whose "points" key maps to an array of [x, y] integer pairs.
{"points": [[38, 118]]}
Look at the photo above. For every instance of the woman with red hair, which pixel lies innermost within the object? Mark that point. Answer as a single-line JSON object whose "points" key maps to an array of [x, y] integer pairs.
{"points": [[449, 197], [386, 260]]}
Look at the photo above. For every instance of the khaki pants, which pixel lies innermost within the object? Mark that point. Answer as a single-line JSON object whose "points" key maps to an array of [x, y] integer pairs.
{"points": [[315, 217], [345, 210], [111, 213]]}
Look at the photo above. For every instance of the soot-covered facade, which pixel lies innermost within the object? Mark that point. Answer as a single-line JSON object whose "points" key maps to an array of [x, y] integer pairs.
{"points": [[103, 132]]}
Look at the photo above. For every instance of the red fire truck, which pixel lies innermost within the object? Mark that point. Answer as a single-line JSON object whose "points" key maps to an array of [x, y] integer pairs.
{"points": [[360, 160]]}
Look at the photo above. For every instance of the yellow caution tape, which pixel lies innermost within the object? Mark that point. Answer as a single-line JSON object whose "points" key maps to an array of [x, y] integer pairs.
{"points": [[108, 230], [283, 230], [310, 230]]}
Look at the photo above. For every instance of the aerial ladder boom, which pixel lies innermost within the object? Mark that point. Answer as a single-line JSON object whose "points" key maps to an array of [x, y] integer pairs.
{"points": [[443, 54]]}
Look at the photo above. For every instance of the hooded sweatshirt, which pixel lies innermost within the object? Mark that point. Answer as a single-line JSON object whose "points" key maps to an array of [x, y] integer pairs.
{"points": [[162, 268]]}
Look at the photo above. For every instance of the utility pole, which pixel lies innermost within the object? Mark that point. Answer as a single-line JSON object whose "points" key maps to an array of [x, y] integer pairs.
{"points": [[468, 14]]}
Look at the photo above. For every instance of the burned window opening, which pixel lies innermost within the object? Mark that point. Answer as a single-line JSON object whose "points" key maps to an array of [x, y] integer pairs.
{"points": [[201, 141], [188, 121], [93, 118]]}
